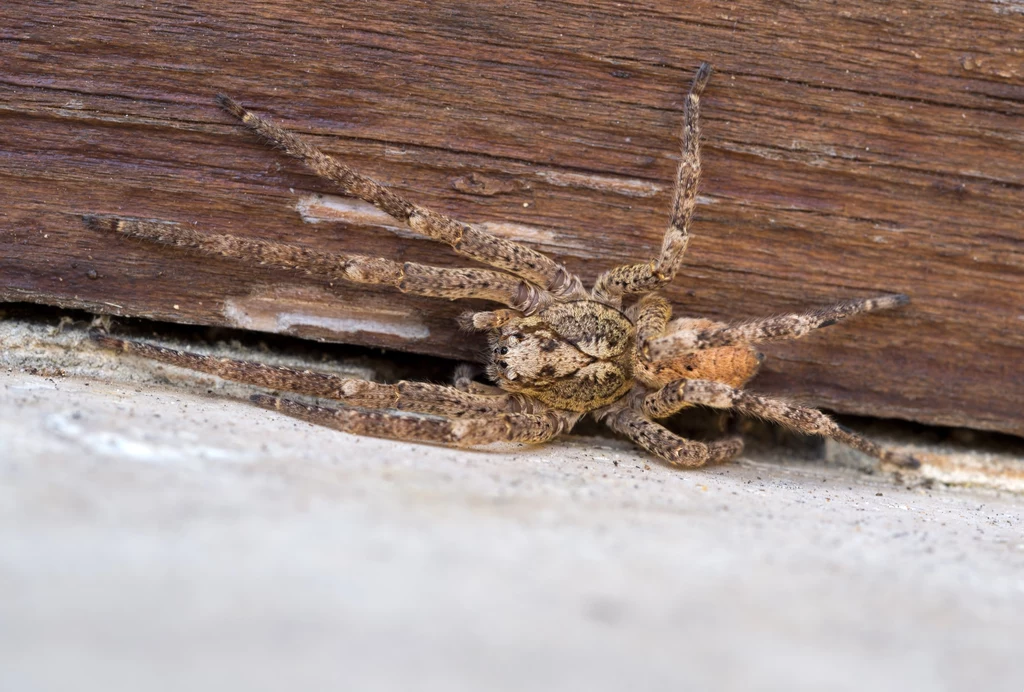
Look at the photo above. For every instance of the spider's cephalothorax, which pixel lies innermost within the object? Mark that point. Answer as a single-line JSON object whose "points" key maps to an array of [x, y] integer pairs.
{"points": [[557, 351], [576, 356]]}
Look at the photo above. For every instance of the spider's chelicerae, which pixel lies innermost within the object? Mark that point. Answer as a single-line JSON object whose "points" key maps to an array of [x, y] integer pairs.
{"points": [[557, 350]]}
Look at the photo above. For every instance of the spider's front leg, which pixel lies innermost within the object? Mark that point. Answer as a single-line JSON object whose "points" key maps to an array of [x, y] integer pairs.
{"points": [[682, 393], [455, 432], [665, 444], [407, 277], [420, 397], [463, 238]]}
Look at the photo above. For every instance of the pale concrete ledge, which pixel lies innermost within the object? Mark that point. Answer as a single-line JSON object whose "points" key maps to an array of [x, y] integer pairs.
{"points": [[155, 537]]}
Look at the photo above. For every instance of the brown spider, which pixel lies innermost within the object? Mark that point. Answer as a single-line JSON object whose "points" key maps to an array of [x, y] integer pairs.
{"points": [[558, 351]]}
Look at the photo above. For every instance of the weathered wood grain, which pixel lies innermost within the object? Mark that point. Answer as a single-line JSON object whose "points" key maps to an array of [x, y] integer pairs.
{"points": [[850, 150]]}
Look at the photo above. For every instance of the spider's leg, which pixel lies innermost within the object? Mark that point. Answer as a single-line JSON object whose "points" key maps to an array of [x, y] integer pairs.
{"points": [[464, 382], [681, 393], [407, 277], [455, 432], [665, 444], [650, 276], [421, 397], [681, 338], [463, 238], [650, 315], [486, 320]]}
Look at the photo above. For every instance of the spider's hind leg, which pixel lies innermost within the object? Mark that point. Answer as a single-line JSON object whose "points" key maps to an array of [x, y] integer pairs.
{"points": [[665, 444], [682, 337], [682, 393]]}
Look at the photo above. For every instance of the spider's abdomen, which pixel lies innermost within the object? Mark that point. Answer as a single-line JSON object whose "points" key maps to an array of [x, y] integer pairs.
{"points": [[575, 356], [731, 365]]}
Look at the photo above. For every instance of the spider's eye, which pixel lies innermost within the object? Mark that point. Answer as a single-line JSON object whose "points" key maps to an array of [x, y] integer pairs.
{"points": [[502, 364], [503, 350]]}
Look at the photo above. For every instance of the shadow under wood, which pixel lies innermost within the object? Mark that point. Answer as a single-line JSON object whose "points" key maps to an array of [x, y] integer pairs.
{"points": [[53, 343]]}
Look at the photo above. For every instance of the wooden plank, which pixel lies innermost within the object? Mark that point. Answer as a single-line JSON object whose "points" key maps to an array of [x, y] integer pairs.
{"points": [[849, 151]]}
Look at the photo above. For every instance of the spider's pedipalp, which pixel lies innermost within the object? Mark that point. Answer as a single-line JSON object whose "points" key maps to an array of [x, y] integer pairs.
{"points": [[455, 432], [652, 275], [486, 320], [465, 239], [665, 444], [677, 395], [681, 338], [464, 382], [407, 277]]}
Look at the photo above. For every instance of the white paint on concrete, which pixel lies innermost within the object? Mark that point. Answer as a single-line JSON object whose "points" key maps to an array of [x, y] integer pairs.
{"points": [[136, 444]]}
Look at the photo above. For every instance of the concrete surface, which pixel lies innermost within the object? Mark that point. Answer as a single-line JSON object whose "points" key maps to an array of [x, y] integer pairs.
{"points": [[157, 539], [161, 538]]}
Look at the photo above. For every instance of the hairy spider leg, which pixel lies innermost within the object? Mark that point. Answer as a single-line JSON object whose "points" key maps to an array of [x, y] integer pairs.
{"points": [[456, 432], [664, 444], [682, 393], [682, 338], [652, 275], [463, 238], [419, 397], [407, 277]]}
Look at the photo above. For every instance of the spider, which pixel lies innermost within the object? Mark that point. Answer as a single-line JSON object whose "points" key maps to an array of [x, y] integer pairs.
{"points": [[557, 351]]}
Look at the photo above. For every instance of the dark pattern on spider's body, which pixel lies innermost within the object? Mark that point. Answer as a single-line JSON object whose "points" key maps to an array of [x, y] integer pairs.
{"points": [[558, 352]]}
